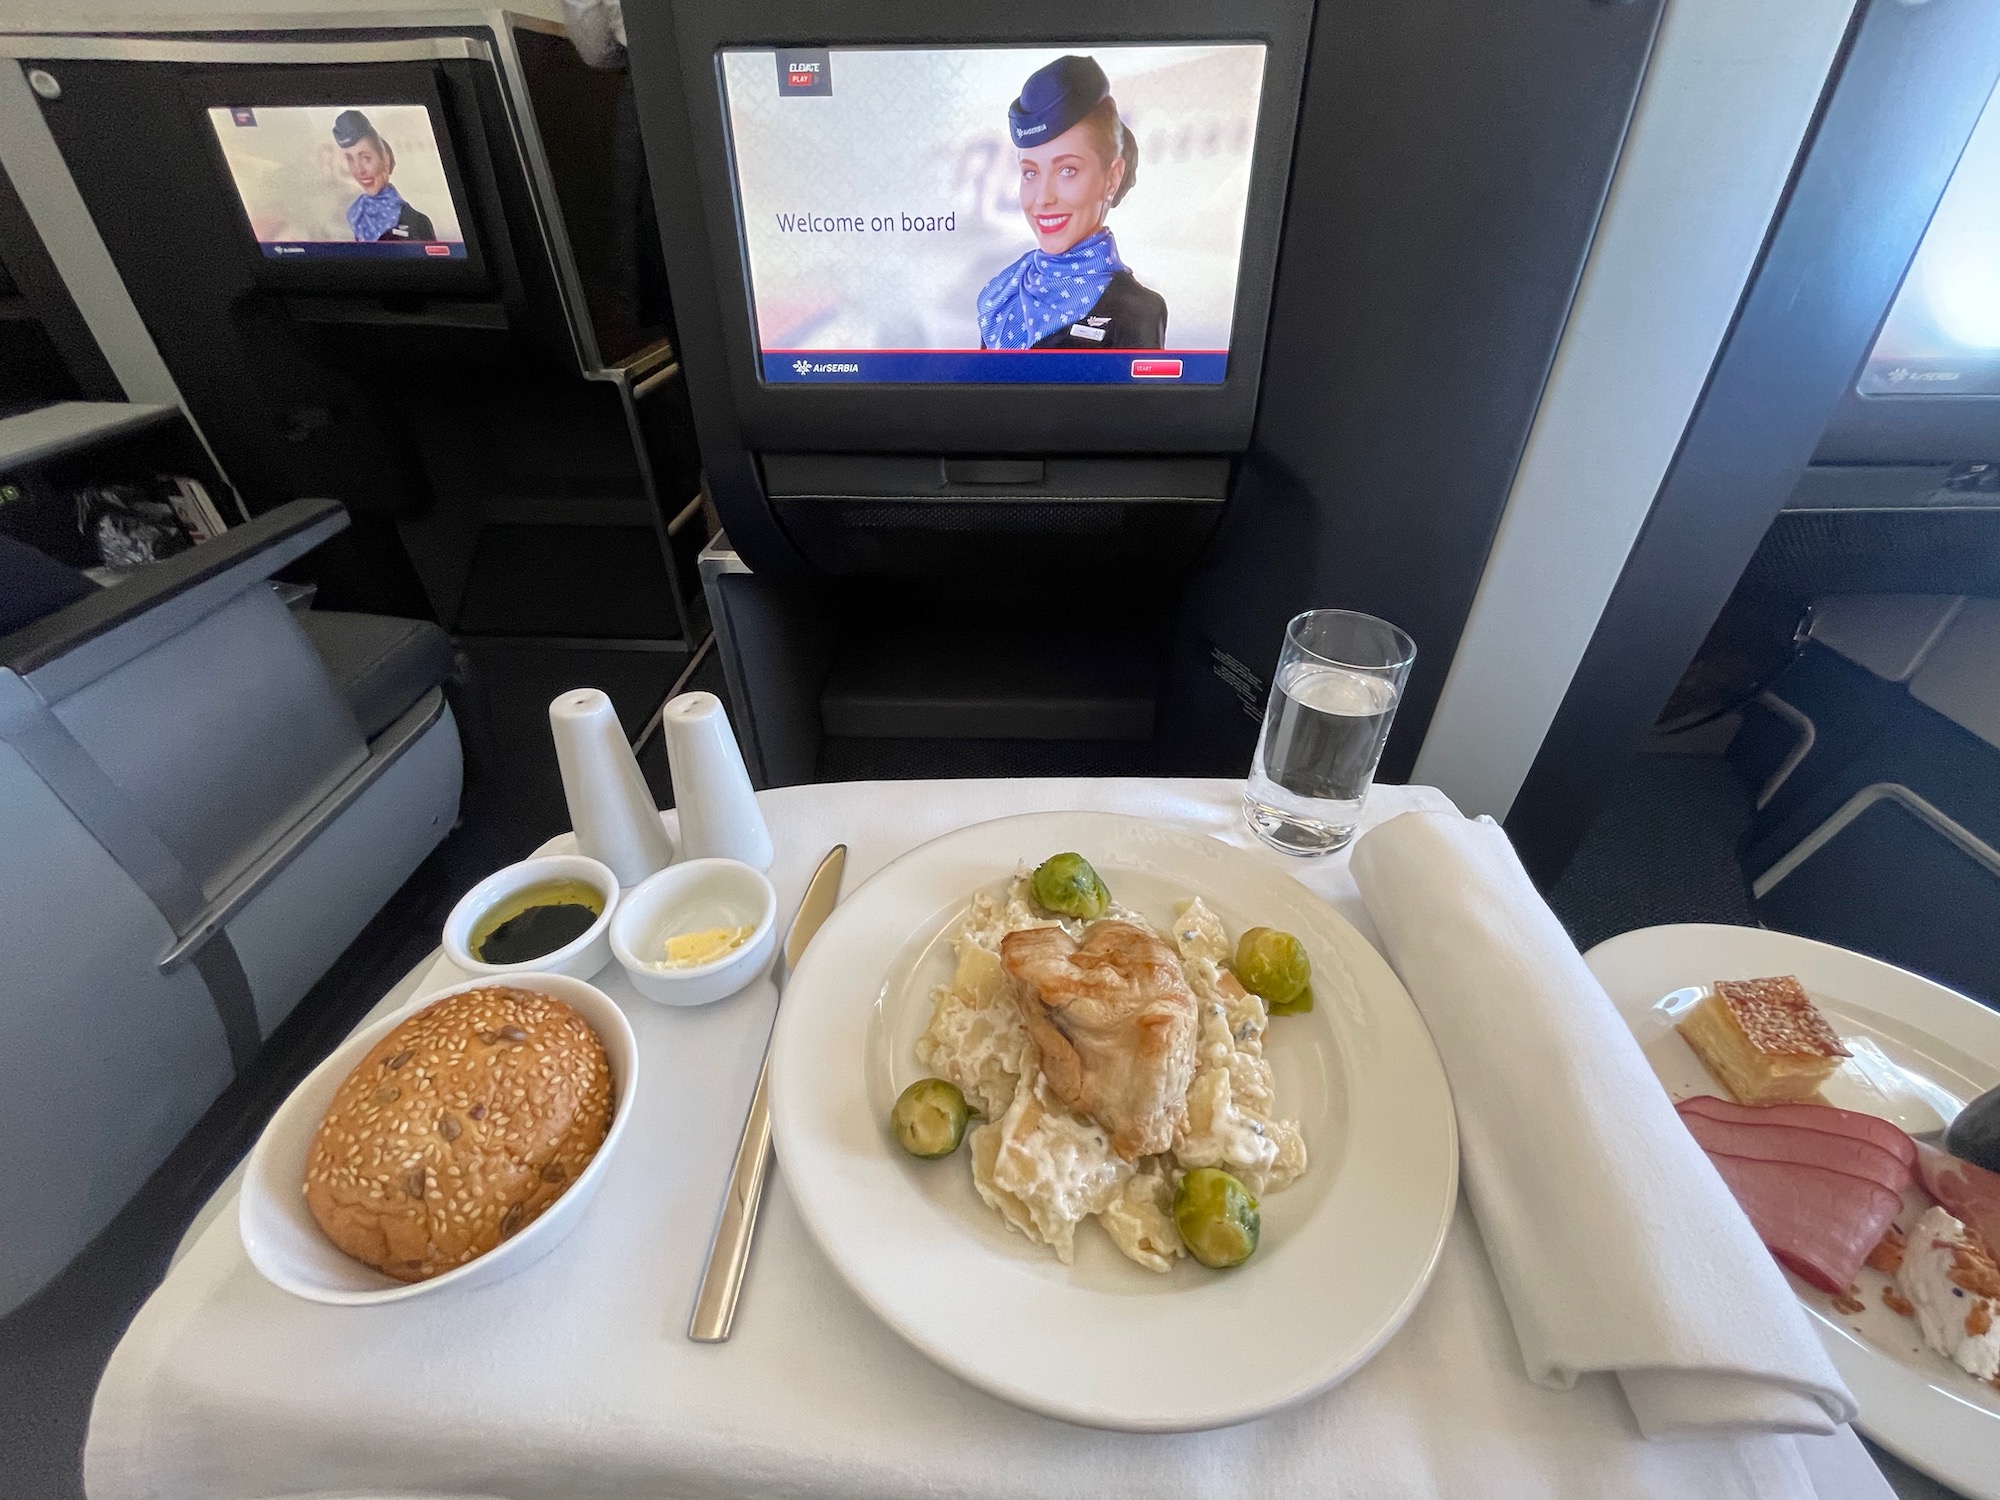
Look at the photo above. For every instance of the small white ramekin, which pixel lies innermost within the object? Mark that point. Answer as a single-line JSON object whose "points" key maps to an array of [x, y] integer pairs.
{"points": [[692, 897], [580, 958]]}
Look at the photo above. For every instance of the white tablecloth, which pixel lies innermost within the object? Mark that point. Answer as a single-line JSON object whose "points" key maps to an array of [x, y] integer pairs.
{"points": [[573, 1379]]}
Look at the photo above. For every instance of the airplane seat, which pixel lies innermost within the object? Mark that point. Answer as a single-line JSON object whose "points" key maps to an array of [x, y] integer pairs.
{"points": [[198, 812], [33, 585], [381, 663], [1875, 762]]}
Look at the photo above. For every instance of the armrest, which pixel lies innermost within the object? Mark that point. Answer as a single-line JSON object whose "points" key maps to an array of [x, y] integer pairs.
{"points": [[84, 640]]}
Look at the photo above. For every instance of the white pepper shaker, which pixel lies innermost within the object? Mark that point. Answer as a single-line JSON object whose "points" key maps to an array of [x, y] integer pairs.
{"points": [[610, 807], [720, 818]]}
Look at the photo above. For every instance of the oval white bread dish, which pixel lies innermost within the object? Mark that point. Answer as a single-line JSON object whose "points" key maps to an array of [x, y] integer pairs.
{"points": [[288, 1247]]}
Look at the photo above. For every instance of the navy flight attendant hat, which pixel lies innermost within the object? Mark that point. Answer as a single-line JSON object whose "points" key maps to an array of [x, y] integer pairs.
{"points": [[350, 126], [1055, 98]]}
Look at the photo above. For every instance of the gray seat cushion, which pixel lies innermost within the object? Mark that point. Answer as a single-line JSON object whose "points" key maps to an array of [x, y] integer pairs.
{"points": [[381, 663], [33, 585]]}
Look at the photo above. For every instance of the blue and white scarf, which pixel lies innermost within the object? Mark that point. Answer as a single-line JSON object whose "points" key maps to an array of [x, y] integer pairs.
{"points": [[373, 215], [1040, 293]]}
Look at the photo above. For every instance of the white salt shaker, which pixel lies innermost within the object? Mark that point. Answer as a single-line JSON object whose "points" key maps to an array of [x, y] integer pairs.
{"points": [[719, 815], [609, 804]]}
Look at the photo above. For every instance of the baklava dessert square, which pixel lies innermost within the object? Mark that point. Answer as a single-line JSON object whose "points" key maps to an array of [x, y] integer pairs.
{"points": [[1763, 1039]]}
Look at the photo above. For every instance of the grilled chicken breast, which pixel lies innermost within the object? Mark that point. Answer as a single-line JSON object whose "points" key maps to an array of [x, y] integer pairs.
{"points": [[1114, 1024]]}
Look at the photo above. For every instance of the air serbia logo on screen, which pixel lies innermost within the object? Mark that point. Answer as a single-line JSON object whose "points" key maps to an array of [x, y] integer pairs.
{"points": [[805, 71]]}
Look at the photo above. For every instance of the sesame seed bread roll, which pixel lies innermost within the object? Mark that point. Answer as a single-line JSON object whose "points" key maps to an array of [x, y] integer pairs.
{"points": [[457, 1129]]}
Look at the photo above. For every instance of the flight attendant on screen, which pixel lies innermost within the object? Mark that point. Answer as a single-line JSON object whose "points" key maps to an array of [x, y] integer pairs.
{"points": [[379, 212], [1077, 162]]}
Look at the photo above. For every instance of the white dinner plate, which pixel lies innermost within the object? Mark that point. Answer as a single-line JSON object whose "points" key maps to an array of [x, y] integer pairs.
{"points": [[1345, 1253], [1915, 1403]]}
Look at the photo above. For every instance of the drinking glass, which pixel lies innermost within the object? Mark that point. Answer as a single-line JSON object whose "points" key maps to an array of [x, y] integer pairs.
{"points": [[1333, 698]]}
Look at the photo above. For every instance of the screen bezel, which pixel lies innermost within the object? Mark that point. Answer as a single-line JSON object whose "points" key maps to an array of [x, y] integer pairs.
{"points": [[357, 86], [1912, 427], [1869, 428], [925, 417], [749, 274]]}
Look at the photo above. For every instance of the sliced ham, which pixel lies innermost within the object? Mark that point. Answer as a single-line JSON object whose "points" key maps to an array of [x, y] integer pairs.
{"points": [[1822, 1117], [1818, 1222], [1969, 1193], [1813, 1148]]}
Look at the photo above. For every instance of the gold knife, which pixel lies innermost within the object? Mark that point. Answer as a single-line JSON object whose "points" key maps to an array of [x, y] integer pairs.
{"points": [[729, 1251]]}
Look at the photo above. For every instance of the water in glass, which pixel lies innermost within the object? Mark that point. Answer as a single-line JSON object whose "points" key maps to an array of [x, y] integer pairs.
{"points": [[1323, 733]]}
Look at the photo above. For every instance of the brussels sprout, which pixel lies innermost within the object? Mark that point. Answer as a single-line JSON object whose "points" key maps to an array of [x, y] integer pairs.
{"points": [[1298, 1005], [1216, 1216], [929, 1118], [1066, 885], [1273, 966]]}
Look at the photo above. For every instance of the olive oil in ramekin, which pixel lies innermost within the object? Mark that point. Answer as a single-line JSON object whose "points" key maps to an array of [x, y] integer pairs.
{"points": [[536, 921]]}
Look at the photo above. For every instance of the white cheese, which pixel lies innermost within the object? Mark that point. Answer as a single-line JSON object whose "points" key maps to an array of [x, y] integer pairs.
{"points": [[1946, 1311], [1198, 932]]}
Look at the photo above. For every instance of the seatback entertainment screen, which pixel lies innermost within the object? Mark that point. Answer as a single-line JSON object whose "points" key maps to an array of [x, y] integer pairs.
{"points": [[346, 182], [993, 214], [1942, 336]]}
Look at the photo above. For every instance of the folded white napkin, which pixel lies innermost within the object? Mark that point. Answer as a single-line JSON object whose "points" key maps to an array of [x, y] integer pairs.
{"points": [[1616, 1245]]}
